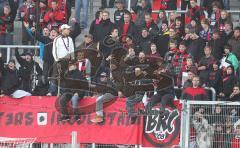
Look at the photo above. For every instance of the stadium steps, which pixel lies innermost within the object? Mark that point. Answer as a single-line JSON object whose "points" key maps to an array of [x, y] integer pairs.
{"points": [[235, 5]]}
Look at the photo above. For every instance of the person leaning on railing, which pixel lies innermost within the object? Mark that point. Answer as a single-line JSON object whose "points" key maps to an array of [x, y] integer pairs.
{"points": [[196, 92]]}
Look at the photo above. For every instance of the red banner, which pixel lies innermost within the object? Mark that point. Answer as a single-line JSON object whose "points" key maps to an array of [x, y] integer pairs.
{"points": [[163, 131], [37, 117]]}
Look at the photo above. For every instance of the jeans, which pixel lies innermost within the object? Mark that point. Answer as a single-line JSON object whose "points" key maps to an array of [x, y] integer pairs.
{"points": [[165, 100], [100, 100], [84, 4], [226, 4], [5, 39], [65, 98], [131, 101]]}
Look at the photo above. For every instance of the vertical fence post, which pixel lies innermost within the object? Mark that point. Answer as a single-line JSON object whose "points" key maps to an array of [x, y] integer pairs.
{"points": [[8, 54], [129, 5], [187, 124], [51, 145], [74, 139], [93, 145], [183, 123]]}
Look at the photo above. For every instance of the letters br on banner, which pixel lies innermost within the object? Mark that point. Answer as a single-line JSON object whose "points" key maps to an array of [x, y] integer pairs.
{"points": [[37, 117]]}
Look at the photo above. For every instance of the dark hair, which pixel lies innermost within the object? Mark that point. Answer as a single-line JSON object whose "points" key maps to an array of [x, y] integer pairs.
{"points": [[216, 4], [113, 29], [237, 28], [173, 41], [128, 13], [182, 43], [228, 47], [97, 14]]}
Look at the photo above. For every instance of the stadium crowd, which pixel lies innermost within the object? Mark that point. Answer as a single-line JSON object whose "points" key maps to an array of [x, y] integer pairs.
{"points": [[198, 49]]}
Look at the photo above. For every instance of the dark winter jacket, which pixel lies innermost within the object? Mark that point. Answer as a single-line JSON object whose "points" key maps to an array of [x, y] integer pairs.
{"points": [[191, 93]]}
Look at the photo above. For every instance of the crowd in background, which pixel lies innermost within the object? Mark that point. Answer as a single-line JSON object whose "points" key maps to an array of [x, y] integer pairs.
{"points": [[198, 49]]}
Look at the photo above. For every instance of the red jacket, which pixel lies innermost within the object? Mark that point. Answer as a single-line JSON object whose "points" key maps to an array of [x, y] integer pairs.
{"points": [[194, 13], [55, 18]]}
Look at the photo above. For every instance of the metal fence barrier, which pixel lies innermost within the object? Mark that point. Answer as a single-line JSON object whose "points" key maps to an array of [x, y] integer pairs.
{"points": [[9, 47], [210, 124]]}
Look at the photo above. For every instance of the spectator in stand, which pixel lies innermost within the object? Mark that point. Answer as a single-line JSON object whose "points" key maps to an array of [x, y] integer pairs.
{"points": [[137, 78], [130, 44], [229, 58], [27, 13], [45, 32], [172, 17], [7, 17], [63, 46], [188, 82], [168, 5], [95, 25], [179, 27], [88, 43], [102, 98], [105, 27], [162, 17], [235, 95], [127, 28], [162, 41], [104, 4], [145, 40], [215, 76], [228, 31], [43, 10], [179, 59], [141, 60], [10, 79], [217, 44], [107, 50], [169, 55], [206, 32], [204, 65], [194, 12], [173, 35], [220, 24], [55, 16], [196, 46], [64, 6], [83, 64], [234, 42], [193, 26], [62, 51], [150, 25], [84, 4], [27, 71], [216, 13], [69, 95], [153, 55], [119, 13], [227, 83], [47, 55], [140, 9], [183, 72], [130, 58], [196, 92], [207, 4]]}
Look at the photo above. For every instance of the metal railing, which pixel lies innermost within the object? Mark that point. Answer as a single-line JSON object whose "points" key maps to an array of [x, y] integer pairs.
{"points": [[213, 92], [216, 121], [9, 47]]}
